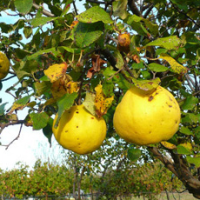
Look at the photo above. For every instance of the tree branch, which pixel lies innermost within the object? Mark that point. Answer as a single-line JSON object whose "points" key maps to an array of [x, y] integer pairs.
{"points": [[148, 11], [133, 7], [45, 12], [8, 145], [180, 170]]}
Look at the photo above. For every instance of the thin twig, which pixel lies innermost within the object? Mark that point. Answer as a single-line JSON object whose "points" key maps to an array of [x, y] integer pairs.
{"points": [[75, 9], [148, 11], [5, 79], [45, 12], [180, 11], [113, 75], [20, 129]]}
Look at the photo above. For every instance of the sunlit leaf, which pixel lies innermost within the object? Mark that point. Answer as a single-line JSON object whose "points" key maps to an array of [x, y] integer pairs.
{"points": [[101, 103], [171, 42], [157, 67], [94, 14], [147, 85], [56, 71], [65, 103], [183, 150], [176, 67], [20, 104], [39, 21], [89, 102], [86, 34], [40, 120], [190, 103], [186, 131], [194, 160], [168, 145], [23, 6], [119, 8]]}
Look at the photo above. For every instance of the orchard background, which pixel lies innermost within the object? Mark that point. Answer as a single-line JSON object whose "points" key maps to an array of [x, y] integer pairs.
{"points": [[88, 50]]}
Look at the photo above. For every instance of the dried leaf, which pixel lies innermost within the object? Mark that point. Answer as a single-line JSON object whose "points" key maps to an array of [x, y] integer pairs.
{"points": [[101, 102], [56, 71]]}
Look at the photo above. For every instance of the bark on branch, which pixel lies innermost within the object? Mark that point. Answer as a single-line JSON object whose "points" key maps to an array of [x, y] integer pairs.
{"points": [[180, 169]]}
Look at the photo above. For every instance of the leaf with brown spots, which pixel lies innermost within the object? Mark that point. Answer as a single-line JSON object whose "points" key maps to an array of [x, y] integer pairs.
{"points": [[56, 71], [64, 85], [147, 85], [101, 102]]}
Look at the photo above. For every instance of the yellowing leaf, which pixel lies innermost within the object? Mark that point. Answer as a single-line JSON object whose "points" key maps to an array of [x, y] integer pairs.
{"points": [[56, 71], [89, 102], [59, 87], [72, 87], [187, 145], [176, 67], [168, 145], [19, 104], [101, 103]]}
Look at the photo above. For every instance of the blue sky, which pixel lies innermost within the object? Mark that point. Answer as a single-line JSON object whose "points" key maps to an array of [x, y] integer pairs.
{"points": [[31, 145]]}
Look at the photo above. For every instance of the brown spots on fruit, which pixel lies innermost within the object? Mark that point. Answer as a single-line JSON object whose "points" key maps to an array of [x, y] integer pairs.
{"points": [[66, 131], [76, 126], [150, 132], [92, 117], [77, 112], [150, 98], [176, 121]]}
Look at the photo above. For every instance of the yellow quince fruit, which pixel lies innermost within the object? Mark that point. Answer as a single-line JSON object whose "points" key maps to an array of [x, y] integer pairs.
{"points": [[4, 65], [80, 131], [147, 118]]}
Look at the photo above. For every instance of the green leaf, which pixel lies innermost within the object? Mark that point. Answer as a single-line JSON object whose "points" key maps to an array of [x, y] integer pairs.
{"points": [[23, 101], [65, 103], [134, 154], [89, 102], [86, 34], [147, 85], [138, 65], [23, 6], [171, 42], [39, 21], [27, 31], [190, 118], [41, 88], [35, 55], [194, 160], [40, 120], [186, 131], [190, 103], [182, 150], [47, 130], [119, 59], [6, 28], [119, 8], [2, 109], [94, 14], [157, 68]]}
